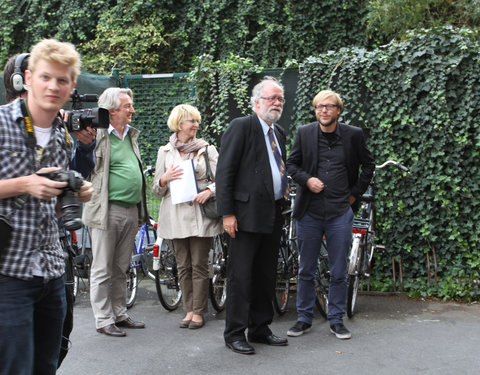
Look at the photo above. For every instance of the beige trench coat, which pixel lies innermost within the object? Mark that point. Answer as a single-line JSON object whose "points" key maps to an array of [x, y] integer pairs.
{"points": [[185, 219]]}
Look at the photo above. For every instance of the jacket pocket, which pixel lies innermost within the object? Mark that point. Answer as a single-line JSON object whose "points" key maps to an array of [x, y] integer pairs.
{"points": [[241, 196]]}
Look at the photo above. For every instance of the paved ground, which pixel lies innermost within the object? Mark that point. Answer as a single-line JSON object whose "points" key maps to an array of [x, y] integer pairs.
{"points": [[390, 335]]}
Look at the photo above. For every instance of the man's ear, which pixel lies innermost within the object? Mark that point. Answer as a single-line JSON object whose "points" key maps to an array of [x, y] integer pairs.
{"points": [[28, 77]]}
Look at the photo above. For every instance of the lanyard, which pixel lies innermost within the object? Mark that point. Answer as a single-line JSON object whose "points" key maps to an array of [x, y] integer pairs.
{"points": [[31, 139]]}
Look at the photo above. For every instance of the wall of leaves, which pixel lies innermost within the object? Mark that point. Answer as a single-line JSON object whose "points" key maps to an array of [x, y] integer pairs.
{"points": [[418, 103]]}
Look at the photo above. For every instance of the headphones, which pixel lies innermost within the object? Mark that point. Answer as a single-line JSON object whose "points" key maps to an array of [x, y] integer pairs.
{"points": [[17, 79]]}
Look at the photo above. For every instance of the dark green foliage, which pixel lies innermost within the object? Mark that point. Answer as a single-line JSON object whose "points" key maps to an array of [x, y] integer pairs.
{"points": [[167, 35], [26, 22], [418, 101]]}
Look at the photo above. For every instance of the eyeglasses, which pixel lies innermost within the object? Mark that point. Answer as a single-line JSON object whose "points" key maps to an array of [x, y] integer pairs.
{"points": [[272, 99], [192, 121], [328, 107]]}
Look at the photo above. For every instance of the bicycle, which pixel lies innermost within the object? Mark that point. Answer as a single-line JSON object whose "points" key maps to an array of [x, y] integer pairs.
{"points": [[82, 259], [322, 281], [363, 243], [141, 259], [166, 273], [287, 264], [142, 252]]}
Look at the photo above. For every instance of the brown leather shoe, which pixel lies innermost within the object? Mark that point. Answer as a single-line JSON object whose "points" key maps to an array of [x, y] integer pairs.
{"points": [[130, 323], [112, 330]]}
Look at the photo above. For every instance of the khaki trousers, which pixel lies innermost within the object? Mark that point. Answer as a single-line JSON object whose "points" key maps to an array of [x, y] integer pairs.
{"points": [[191, 255], [112, 249]]}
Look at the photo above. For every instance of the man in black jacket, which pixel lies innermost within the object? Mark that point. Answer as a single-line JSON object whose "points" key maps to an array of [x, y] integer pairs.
{"points": [[325, 162], [250, 188]]}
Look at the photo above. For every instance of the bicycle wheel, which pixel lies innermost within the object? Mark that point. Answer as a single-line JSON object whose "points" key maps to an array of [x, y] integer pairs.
{"points": [[218, 280], [354, 274], [353, 281], [282, 286], [322, 282], [166, 278], [144, 242], [132, 283]]}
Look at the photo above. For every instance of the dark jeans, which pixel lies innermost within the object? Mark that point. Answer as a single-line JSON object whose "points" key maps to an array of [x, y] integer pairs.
{"points": [[338, 233], [31, 321]]}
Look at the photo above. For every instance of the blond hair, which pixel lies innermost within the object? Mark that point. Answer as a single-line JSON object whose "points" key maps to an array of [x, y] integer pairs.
{"points": [[53, 51], [181, 113], [324, 94]]}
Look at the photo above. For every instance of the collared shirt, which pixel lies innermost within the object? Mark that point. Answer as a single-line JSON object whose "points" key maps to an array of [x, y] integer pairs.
{"points": [[332, 201], [35, 230], [277, 177], [111, 130]]}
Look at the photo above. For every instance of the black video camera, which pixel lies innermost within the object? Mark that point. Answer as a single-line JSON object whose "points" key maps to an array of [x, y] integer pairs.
{"points": [[79, 118], [69, 204]]}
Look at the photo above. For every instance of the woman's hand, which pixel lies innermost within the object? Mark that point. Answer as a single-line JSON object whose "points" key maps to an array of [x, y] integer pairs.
{"points": [[203, 196], [172, 173]]}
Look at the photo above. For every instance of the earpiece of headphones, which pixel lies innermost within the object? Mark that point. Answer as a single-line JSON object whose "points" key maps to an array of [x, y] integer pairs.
{"points": [[17, 79]]}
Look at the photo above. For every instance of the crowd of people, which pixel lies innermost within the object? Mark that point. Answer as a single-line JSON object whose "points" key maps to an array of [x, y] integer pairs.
{"points": [[329, 162]]}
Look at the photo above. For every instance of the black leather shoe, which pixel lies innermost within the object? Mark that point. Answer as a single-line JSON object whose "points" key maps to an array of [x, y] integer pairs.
{"points": [[241, 347], [269, 340], [112, 330], [130, 323]]}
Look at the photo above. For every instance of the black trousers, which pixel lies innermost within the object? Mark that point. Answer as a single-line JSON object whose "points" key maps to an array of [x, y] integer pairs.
{"points": [[251, 273]]}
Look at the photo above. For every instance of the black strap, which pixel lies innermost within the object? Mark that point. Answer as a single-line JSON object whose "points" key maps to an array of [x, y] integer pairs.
{"points": [[30, 134], [207, 164], [31, 142]]}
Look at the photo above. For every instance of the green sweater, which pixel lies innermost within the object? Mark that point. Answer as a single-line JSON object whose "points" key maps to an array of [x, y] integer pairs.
{"points": [[125, 179]]}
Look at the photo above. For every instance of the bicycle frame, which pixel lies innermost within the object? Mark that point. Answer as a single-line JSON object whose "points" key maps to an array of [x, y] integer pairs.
{"points": [[363, 240]]}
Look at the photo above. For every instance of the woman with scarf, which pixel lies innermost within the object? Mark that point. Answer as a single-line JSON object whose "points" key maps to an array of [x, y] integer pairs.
{"points": [[192, 232]]}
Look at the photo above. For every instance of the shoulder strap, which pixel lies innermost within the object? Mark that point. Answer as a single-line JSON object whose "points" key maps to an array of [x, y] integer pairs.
{"points": [[207, 164]]}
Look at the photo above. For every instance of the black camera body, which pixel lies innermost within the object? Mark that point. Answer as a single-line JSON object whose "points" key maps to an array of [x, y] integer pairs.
{"points": [[79, 119], [69, 204]]}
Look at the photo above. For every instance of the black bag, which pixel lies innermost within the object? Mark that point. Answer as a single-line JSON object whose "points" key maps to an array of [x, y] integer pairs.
{"points": [[209, 208], [5, 232]]}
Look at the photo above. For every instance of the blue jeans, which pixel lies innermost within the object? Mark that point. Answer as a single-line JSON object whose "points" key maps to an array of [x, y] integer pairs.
{"points": [[31, 321], [338, 234]]}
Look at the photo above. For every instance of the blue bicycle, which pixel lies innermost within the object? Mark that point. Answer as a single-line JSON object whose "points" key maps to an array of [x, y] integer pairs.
{"points": [[141, 259]]}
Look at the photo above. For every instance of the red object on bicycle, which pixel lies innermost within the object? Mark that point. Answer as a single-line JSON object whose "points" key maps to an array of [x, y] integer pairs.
{"points": [[359, 231], [74, 237]]}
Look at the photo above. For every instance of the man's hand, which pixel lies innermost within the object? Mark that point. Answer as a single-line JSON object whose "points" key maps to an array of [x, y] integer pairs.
{"points": [[85, 193], [230, 225], [203, 196], [42, 187], [315, 185], [86, 136]]}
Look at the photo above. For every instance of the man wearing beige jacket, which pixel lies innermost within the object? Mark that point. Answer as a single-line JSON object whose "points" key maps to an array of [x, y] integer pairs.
{"points": [[115, 213]]}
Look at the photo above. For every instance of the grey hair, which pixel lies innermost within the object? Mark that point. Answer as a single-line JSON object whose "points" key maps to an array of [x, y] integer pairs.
{"points": [[258, 89], [109, 98]]}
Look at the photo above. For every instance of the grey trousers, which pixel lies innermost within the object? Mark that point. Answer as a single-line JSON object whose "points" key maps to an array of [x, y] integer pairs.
{"points": [[112, 249], [191, 255]]}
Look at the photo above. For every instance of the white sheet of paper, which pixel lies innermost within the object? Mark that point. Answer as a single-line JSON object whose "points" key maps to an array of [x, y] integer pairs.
{"points": [[185, 188]]}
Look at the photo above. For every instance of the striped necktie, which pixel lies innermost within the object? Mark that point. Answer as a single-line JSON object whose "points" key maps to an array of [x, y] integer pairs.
{"points": [[280, 163]]}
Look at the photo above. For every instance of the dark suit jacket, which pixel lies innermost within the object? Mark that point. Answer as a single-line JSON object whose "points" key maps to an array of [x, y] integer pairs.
{"points": [[303, 163], [244, 185]]}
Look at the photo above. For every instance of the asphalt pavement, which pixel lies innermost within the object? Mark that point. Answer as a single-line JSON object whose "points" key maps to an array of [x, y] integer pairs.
{"points": [[390, 335]]}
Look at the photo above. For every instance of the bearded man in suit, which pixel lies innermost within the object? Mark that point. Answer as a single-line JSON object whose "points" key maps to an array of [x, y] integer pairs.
{"points": [[251, 185]]}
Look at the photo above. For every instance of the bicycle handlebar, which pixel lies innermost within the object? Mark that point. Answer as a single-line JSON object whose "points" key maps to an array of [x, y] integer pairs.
{"points": [[149, 171], [395, 163]]}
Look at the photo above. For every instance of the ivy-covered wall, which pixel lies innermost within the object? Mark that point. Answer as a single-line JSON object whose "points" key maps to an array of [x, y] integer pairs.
{"points": [[419, 103]]}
